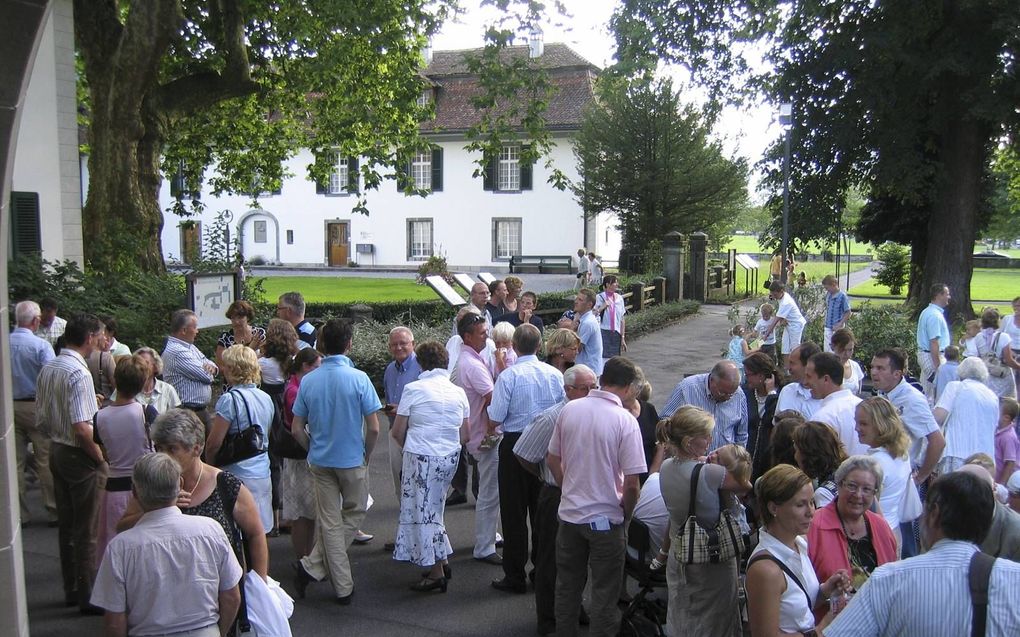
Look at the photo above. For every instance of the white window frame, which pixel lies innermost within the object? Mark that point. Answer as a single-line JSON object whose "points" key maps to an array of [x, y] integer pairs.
{"points": [[421, 170], [424, 98], [508, 169], [507, 238], [339, 177], [420, 239]]}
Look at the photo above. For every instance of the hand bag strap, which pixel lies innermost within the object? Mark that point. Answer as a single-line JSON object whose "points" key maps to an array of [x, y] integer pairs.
{"points": [[233, 396], [691, 509], [978, 576], [765, 555]]}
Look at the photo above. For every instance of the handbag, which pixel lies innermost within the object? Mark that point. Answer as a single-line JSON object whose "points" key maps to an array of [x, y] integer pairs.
{"points": [[244, 443], [282, 442], [693, 544], [992, 361], [910, 505]]}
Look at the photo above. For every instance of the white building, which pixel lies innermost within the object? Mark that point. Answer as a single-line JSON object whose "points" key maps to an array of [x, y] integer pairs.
{"points": [[474, 222]]}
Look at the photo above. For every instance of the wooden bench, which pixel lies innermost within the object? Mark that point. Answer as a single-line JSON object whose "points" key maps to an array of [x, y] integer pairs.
{"points": [[543, 264]]}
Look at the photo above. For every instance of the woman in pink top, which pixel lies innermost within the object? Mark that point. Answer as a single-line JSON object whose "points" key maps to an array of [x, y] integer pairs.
{"points": [[122, 429], [297, 491]]}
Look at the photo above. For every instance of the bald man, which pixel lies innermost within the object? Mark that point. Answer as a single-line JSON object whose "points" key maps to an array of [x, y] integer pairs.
{"points": [[717, 392]]}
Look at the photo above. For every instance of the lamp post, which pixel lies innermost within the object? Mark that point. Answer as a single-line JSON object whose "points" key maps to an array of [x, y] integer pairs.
{"points": [[786, 121]]}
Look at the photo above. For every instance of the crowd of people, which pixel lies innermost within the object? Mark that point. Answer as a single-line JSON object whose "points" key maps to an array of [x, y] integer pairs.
{"points": [[775, 477]]}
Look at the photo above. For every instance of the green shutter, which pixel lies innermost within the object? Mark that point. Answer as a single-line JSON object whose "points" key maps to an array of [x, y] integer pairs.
{"points": [[489, 178], [437, 170], [25, 234], [352, 174], [525, 172]]}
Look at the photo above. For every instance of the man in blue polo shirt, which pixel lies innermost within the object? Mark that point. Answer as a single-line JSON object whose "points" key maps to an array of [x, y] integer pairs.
{"points": [[333, 401], [837, 309], [933, 337]]}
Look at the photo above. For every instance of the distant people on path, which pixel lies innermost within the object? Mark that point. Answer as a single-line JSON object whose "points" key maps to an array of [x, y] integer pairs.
{"points": [[170, 573], [717, 393], [596, 456], [291, 307], [588, 330], [824, 375], [242, 332], [29, 354], [788, 316], [610, 306], [930, 594], [339, 404], [186, 368], [51, 327], [768, 337], [995, 348], [837, 310], [66, 404], [968, 412], [430, 426], [739, 346], [843, 344], [521, 392], [595, 269], [933, 337], [583, 269], [796, 395]]}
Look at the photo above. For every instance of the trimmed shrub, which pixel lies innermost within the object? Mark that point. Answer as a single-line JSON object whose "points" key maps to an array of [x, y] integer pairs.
{"points": [[657, 317]]}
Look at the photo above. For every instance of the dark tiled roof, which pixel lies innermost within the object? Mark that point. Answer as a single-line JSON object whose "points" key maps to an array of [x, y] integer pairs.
{"points": [[571, 76]]}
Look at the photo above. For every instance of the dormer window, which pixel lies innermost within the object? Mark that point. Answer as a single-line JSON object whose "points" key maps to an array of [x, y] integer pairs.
{"points": [[424, 98]]}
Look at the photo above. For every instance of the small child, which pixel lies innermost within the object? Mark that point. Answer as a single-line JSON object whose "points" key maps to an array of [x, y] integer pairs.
{"points": [[768, 344], [969, 342], [1007, 446], [505, 356], [947, 371], [738, 348]]}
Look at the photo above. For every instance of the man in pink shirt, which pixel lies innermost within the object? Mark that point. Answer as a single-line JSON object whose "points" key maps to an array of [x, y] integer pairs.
{"points": [[596, 456], [474, 377]]}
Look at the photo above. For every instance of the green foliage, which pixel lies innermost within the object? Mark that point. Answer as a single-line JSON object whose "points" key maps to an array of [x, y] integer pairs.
{"points": [[894, 268], [882, 326], [369, 350], [657, 317], [650, 159], [434, 266]]}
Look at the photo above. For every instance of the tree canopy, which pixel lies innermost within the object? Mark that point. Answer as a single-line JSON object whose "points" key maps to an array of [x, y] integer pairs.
{"points": [[903, 100], [648, 158]]}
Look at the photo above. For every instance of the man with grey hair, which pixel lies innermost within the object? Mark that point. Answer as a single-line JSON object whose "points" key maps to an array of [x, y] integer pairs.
{"points": [[1003, 539], [969, 414], [531, 449], [167, 559], [403, 369], [185, 367], [291, 308], [717, 392], [29, 354]]}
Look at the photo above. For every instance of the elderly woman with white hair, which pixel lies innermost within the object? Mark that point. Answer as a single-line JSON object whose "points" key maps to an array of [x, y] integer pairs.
{"points": [[968, 412], [160, 394]]}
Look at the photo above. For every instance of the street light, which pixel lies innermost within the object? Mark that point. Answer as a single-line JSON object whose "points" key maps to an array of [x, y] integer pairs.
{"points": [[786, 121]]}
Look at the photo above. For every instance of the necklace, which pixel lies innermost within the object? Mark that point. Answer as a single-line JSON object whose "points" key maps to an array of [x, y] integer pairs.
{"points": [[201, 470]]}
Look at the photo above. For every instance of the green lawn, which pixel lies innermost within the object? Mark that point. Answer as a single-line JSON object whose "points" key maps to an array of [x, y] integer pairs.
{"points": [[1013, 252], [347, 289], [987, 284], [749, 243], [814, 270]]}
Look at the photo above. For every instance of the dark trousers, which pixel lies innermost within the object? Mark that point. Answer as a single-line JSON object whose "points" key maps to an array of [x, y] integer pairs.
{"points": [[578, 548], [518, 501], [547, 523], [77, 482], [460, 478]]}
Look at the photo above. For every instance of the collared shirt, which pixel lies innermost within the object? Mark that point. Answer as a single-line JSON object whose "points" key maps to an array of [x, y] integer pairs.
{"points": [[167, 573], [65, 396], [931, 325], [474, 377], [533, 444], [945, 375], [183, 368], [730, 415], [786, 308], [798, 398], [590, 333], [29, 354], [599, 443], [435, 410], [523, 390], [973, 418], [836, 305], [334, 400], [53, 332], [929, 595], [613, 314], [838, 411], [163, 397], [795, 614], [397, 375], [916, 416]]}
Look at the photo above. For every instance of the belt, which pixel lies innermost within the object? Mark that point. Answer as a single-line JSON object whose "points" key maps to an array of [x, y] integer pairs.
{"points": [[30, 399], [194, 407], [118, 484]]}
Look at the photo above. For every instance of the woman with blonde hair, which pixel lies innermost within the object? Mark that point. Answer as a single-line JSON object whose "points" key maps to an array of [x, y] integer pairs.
{"points": [[879, 426], [702, 597], [561, 347], [243, 406]]}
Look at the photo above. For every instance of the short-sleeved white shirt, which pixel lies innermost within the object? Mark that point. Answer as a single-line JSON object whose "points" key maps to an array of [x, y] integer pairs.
{"points": [[916, 416], [838, 411], [895, 478], [787, 309], [973, 418], [435, 410]]}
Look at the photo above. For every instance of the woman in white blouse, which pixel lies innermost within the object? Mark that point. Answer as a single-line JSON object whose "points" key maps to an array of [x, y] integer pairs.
{"points": [[843, 343], [610, 306], [879, 426], [782, 590], [431, 425]]}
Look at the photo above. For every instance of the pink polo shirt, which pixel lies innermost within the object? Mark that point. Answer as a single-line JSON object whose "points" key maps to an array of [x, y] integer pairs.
{"points": [[598, 442], [474, 377]]}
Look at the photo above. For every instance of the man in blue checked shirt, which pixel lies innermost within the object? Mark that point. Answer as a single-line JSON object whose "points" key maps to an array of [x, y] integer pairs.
{"points": [[837, 309]]}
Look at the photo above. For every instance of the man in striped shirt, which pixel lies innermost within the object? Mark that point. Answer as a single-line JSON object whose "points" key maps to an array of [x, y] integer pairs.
{"points": [[65, 405], [185, 367], [718, 393]]}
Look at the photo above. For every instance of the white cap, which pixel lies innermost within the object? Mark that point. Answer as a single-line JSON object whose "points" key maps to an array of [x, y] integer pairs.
{"points": [[1013, 484]]}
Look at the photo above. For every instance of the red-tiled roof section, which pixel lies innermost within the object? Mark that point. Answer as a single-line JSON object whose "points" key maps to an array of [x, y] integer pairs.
{"points": [[571, 76]]}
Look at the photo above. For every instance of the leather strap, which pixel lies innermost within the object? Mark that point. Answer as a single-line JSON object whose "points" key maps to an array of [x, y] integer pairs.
{"points": [[978, 576]]}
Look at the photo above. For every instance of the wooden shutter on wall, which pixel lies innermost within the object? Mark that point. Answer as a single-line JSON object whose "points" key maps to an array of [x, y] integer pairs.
{"points": [[525, 172], [489, 179], [25, 234], [352, 174], [437, 170]]}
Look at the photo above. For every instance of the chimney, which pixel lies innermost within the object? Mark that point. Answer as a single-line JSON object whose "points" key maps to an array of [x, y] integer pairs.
{"points": [[427, 52], [535, 43]]}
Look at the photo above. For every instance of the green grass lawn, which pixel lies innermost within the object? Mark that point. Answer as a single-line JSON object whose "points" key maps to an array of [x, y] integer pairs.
{"points": [[347, 289], [749, 243], [814, 270], [1013, 252], [987, 284]]}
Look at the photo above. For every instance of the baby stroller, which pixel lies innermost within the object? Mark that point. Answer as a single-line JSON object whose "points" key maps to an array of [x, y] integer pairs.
{"points": [[644, 616]]}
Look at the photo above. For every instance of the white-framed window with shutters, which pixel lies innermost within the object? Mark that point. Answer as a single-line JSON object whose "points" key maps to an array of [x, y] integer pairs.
{"points": [[419, 239], [421, 170], [339, 177], [508, 168], [506, 238], [424, 98]]}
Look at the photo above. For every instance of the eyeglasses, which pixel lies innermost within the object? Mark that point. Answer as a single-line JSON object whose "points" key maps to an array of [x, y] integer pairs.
{"points": [[853, 487], [584, 388]]}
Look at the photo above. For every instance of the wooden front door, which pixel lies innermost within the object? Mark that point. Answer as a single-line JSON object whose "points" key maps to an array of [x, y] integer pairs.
{"points": [[339, 244]]}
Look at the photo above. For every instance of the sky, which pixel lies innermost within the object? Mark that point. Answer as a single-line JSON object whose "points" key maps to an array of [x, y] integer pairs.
{"points": [[743, 133]]}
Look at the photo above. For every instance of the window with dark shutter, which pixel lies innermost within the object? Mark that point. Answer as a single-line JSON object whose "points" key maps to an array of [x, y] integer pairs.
{"points": [[352, 174], [526, 167], [489, 178], [437, 169], [25, 234]]}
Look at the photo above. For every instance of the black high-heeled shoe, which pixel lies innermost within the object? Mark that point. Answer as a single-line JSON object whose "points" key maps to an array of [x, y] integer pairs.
{"points": [[447, 572], [427, 584]]}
